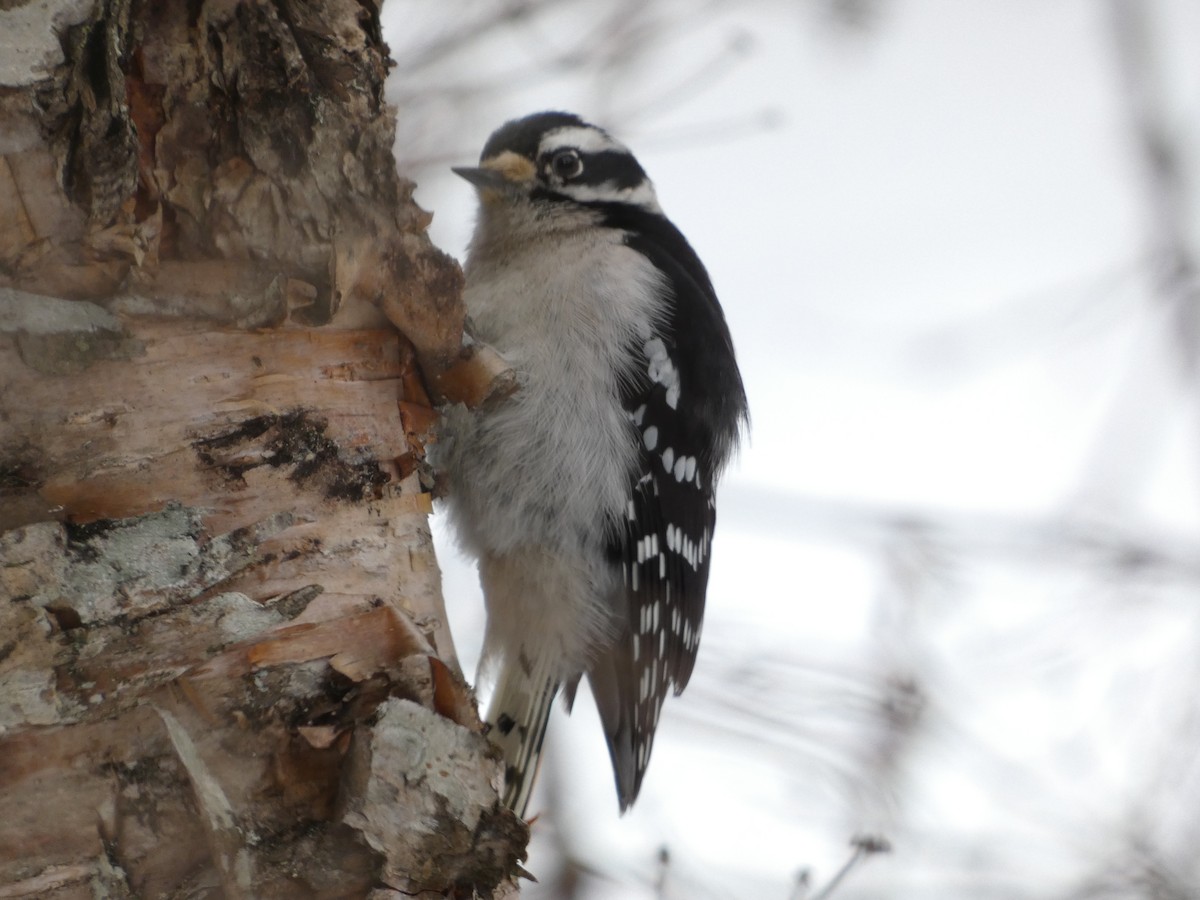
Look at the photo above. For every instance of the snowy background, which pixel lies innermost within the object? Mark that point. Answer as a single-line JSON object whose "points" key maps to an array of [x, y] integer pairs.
{"points": [[955, 584]]}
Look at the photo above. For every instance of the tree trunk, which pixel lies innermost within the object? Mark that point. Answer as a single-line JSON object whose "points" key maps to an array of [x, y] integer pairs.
{"points": [[224, 669]]}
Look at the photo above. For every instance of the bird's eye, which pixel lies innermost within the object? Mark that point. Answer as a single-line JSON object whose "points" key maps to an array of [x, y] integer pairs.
{"points": [[566, 164]]}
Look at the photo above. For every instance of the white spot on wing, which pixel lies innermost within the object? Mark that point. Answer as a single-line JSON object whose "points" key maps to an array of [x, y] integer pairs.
{"points": [[662, 370], [650, 436]]}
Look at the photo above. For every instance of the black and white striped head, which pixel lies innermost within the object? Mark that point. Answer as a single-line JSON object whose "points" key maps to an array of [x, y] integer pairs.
{"points": [[556, 156]]}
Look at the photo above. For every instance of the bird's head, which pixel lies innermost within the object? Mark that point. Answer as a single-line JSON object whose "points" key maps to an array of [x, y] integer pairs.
{"points": [[556, 157]]}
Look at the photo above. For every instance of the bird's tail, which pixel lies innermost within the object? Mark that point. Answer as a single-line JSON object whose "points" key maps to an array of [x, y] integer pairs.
{"points": [[518, 713]]}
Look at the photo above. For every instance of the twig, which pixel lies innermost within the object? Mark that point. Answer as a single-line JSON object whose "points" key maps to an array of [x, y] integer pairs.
{"points": [[801, 884], [864, 846], [664, 865]]}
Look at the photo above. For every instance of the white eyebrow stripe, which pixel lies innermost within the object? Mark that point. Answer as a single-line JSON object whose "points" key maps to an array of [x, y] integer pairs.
{"points": [[586, 140], [642, 195]]}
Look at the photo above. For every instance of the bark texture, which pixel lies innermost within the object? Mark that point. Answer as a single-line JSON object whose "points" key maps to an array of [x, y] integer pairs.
{"points": [[224, 669]]}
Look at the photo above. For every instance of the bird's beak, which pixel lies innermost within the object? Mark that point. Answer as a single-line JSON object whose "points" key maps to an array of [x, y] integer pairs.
{"points": [[501, 176], [493, 179]]}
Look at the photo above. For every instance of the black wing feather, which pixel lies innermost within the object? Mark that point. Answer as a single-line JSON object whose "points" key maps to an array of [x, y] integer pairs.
{"points": [[687, 405]]}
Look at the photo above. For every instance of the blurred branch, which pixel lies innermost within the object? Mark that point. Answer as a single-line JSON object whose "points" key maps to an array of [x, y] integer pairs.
{"points": [[712, 131], [1135, 871], [425, 52], [853, 15], [1110, 550], [801, 885], [704, 74], [1030, 324], [864, 846], [1168, 191], [664, 870], [620, 53]]}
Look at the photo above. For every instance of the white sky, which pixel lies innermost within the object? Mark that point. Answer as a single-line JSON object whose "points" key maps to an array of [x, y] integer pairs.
{"points": [[931, 267]]}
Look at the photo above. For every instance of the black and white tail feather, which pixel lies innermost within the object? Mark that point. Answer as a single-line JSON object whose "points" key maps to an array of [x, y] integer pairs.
{"points": [[517, 717], [589, 496]]}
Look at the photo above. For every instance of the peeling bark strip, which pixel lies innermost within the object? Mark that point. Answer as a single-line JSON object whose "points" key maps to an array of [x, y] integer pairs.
{"points": [[224, 668]]}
